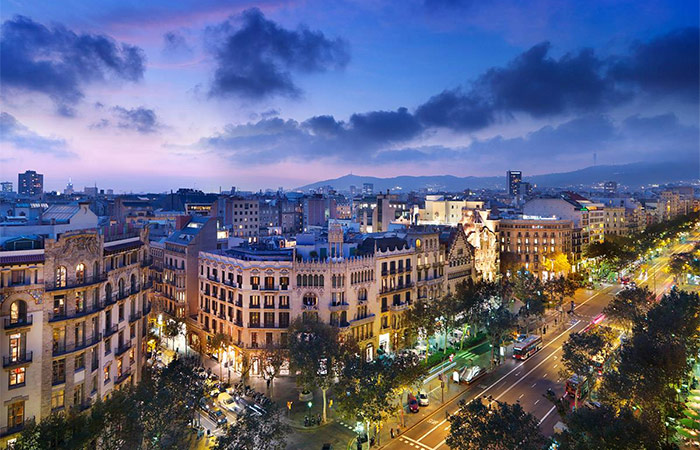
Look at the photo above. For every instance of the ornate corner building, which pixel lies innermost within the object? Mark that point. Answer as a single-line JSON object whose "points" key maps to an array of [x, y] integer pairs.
{"points": [[72, 311]]}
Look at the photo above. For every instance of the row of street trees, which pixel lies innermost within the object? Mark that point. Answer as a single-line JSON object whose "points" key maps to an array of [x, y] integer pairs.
{"points": [[639, 396], [618, 252], [155, 414]]}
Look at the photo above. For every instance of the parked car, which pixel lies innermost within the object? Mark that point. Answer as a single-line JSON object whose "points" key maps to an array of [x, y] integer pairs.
{"points": [[412, 403], [206, 404], [423, 399]]}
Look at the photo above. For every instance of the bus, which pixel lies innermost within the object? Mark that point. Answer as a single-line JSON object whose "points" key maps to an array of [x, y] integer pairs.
{"points": [[527, 347], [572, 384]]}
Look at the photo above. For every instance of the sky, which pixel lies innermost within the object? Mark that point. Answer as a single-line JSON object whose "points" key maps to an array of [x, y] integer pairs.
{"points": [[151, 96]]}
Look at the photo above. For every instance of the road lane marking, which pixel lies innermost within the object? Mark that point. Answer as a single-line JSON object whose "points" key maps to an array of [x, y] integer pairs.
{"points": [[504, 376], [531, 370], [537, 401], [418, 444], [546, 415], [439, 445], [521, 396], [533, 384]]}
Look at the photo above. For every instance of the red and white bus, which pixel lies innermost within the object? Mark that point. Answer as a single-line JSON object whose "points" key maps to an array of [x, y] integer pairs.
{"points": [[527, 347]]}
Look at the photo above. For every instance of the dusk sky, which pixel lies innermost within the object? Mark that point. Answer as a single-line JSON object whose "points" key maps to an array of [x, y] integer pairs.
{"points": [[155, 95]]}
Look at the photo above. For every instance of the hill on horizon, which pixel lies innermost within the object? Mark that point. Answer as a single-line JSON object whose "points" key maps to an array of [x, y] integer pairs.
{"points": [[632, 175]]}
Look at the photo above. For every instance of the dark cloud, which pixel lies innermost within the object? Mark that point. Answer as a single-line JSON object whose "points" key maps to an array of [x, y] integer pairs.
{"points": [[17, 134], [456, 110], [539, 85], [668, 64], [175, 42], [257, 58], [59, 62], [142, 120]]}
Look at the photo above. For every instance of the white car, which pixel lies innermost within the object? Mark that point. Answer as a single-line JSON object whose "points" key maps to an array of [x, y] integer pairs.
{"points": [[423, 399]]}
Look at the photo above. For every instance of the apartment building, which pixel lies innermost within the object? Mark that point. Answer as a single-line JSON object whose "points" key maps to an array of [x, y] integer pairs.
{"points": [[73, 308], [241, 215], [534, 242]]}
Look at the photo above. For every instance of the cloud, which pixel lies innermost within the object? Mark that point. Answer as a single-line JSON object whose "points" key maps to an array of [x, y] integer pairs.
{"points": [[59, 62], [666, 65], [174, 42], [17, 134], [456, 110], [140, 119], [257, 58]]}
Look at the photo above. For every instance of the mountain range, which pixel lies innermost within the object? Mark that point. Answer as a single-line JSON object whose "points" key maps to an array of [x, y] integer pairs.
{"points": [[630, 175]]}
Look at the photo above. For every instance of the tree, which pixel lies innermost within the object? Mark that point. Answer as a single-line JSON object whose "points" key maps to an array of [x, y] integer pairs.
{"points": [[579, 351], [510, 262], [603, 428], [219, 344], [528, 289], [499, 323], [172, 328], [272, 358], [245, 364], [59, 430], [558, 289], [253, 432], [371, 391], [557, 262], [498, 426], [614, 254], [423, 318], [629, 306], [316, 354]]}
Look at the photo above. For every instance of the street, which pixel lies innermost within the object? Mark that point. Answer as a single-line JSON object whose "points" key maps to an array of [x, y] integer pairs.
{"points": [[526, 382]]}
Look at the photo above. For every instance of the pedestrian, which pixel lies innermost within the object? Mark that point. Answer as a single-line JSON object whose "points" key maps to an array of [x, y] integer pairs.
{"points": [[398, 430], [391, 431]]}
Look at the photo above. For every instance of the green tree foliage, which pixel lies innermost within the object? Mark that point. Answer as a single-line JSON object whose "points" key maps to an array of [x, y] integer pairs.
{"points": [[423, 317], [603, 429], [529, 290], [499, 426], [218, 345], [153, 415], [579, 351], [370, 391], [558, 289], [629, 306], [253, 432], [317, 355]]}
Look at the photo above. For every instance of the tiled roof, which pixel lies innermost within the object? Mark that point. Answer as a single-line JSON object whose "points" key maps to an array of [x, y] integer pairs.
{"points": [[21, 259]]}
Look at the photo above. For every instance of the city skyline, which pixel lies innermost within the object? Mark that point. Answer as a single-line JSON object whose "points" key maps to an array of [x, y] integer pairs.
{"points": [[284, 94]]}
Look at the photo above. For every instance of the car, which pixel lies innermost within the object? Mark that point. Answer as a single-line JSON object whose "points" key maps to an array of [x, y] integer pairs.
{"points": [[412, 403], [214, 393], [205, 404], [423, 399], [218, 416]]}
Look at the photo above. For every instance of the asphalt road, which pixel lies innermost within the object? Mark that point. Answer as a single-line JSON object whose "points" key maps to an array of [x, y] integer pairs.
{"points": [[527, 381]]}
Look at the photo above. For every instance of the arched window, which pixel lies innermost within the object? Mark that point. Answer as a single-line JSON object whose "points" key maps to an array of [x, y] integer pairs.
{"points": [[18, 311], [96, 270], [315, 282], [298, 280], [108, 292], [333, 281], [121, 287], [305, 281], [133, 283], [343, 318], [320, 281], [334, 319], [61, 276], [362, 294], [80, 273], [310, 299]]}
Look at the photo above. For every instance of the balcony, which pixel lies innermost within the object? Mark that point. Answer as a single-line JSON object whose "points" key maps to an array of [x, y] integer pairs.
{"points": [[19, 323], [7, 431], [213, 278], [65, 315], [72, 284], [335, 307], [399, 307], [18, 360], [269, 287], [398, 287], [230, 283], [110, 330], [122, 348], [120, 378], [363, 320], [60, 349]]}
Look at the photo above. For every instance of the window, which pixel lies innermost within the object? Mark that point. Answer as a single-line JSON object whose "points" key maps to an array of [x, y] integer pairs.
{"points": [[59, 305], [269, 301], [18, 311], [57, 399], [284, 319], [107, 372], [17, 376], [15, 414], [269, 319], [79, 301], [121, 312], [255, 301], [284, 301], [108, 346], [80, 361], [59, 371], [78, 395], [61, 276], [254, 319], [254, 282], [80, 273], [309, 300], [17, 277]]}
